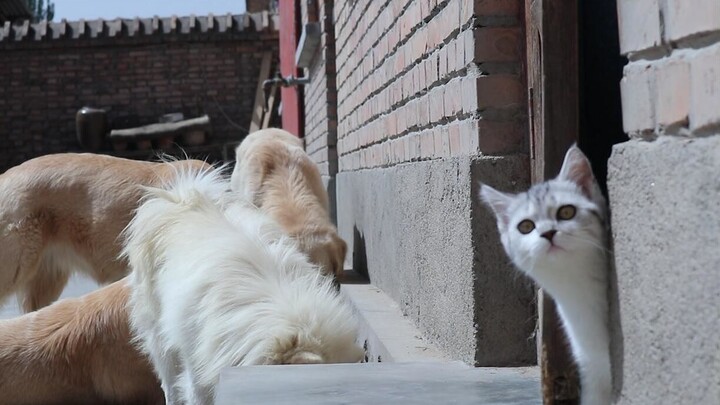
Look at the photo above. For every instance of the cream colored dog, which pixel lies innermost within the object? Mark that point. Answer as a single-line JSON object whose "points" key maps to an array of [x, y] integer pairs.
{"points": [[274, 172], [216, 283], [76, 351], [61, 213]]}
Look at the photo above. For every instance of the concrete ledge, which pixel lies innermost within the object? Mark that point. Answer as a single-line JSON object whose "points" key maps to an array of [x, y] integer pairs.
{"points": [[665, 201], [438, 256], [379, 383], [388, 336]]}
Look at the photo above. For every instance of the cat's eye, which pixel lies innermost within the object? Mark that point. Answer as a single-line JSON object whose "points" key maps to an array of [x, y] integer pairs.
{"points": [[526, 226], [566, 212]]}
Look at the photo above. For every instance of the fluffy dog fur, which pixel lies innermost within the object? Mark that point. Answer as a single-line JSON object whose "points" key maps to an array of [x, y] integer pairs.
{"points": [[76, 351], [274, 172], [215, 283], [64, 212]]}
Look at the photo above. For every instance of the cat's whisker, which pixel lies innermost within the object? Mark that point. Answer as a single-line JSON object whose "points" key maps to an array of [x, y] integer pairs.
{"points": [[589, 242]]}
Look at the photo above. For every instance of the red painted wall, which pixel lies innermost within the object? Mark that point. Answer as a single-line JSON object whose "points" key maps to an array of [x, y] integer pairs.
{"points": [[291, 113]]}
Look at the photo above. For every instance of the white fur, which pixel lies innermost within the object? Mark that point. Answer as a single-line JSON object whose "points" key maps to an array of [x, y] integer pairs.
{"points": [[215, 283], [573, 268]]}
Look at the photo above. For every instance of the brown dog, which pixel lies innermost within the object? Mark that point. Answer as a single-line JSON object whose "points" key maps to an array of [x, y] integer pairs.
{"points": [[76, 351], [275, 173], [61, 213]]}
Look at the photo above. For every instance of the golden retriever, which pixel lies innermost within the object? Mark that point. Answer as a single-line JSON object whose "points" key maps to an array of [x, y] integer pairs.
{"points": [[64, 212], [76, 351], [274, 172]]}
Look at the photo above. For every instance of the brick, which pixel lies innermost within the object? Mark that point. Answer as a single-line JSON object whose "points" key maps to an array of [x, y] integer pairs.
{"points": [[469, 137], [427, 145], [413, 146], [468, 38], [639, 25], [672, 79], [500, 137], [401, 119], [431, 69], [435, 104], [459, 52], [453, 97], [705, 88], [423, 114], [438, 144], [497, 7], [683, 18], [467, 8], [443, 62], [454, 136], [451, 56], [636, 88], [499, 91], [469, 95], [498, 44]]}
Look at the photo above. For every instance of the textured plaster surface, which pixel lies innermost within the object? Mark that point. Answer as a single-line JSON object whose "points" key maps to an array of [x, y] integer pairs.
{"points": [[417, 230], [665, 201]]}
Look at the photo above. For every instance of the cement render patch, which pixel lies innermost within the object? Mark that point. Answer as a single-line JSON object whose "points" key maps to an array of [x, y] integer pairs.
{"points": [[412, 229], [387, 335], [379, 383], [665, 305]]}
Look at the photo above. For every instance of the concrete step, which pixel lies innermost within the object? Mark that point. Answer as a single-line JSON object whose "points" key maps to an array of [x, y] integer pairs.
{"points": [[403, 368], [379, 383]]}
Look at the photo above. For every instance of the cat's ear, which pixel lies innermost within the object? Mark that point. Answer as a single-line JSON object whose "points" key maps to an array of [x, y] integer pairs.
{"points": [[577, 169], [498, 201]]}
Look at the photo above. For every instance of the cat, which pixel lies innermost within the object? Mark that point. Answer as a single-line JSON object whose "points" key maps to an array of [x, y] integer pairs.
{"points": [[556, 233]]}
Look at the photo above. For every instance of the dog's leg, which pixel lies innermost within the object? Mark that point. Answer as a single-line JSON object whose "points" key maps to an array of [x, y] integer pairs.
{"points": [[167, 366], [44, 288], [194, 392]]}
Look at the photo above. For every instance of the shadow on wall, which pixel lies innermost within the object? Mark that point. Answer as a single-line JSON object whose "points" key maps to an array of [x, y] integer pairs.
{"points": [[617, 349], [601, 128], [359, 255]]}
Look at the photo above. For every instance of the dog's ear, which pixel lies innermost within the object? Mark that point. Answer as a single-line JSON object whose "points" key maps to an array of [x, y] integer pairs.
{"points": [[305, 358], [341, 254]]}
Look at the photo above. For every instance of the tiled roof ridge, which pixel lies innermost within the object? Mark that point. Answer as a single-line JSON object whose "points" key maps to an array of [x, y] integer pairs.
{"points": [[133, 27]]}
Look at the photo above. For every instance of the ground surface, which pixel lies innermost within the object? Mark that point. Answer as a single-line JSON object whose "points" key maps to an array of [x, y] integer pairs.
{"points": [[428, 383], [77, 286]]}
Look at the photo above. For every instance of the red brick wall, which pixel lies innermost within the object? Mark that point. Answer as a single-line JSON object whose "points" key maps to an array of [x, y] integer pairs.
{"points": [[254, 6], [672, 81], [428, 79], [138, 78], [320, 96]]}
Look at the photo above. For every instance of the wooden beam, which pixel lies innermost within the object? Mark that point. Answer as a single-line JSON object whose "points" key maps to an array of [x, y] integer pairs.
{"points": [[553, 108], [270, 107], [258, 109]]}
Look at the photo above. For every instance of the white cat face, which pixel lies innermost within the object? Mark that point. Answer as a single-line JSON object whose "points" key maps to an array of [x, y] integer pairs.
{"points": [[553, 222]]}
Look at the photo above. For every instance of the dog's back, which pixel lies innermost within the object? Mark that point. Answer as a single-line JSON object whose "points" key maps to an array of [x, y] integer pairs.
{"points": [[64, 212], [217, 283], [275, 173], [76, 351]]}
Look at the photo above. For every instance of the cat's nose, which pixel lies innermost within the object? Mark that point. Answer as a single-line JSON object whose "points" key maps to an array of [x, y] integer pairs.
{"points": [[549, 234]]}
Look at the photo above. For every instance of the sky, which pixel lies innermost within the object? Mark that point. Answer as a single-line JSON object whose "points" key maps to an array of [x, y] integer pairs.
{"points": [[110, 9]]}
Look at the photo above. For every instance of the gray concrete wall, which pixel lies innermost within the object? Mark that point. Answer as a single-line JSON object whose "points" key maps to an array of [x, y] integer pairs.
{"points": [[418, 232], [665, 201]]}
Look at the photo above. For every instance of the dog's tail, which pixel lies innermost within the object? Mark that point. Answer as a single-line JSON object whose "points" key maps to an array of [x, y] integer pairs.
{"points": [[189, 189]]}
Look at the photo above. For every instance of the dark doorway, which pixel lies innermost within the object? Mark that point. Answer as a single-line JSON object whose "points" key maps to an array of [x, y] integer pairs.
{"points": [[574, 69]]}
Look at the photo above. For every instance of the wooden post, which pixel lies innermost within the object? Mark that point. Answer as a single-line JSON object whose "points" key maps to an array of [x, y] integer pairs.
{"points": [[553, 108], [290, 96], [259, 107]]}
